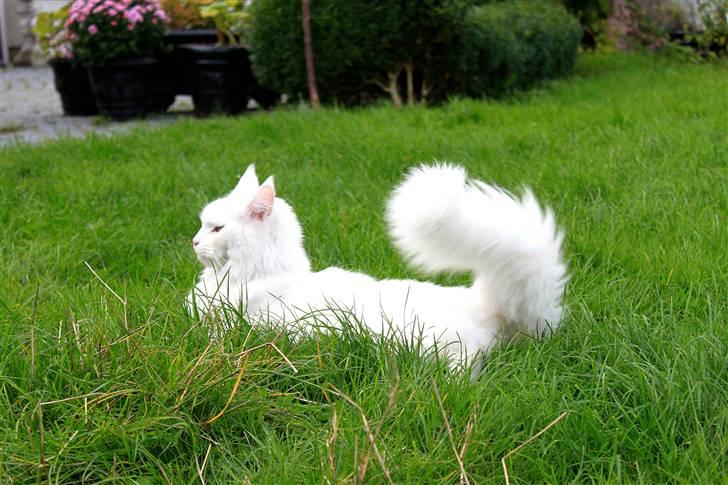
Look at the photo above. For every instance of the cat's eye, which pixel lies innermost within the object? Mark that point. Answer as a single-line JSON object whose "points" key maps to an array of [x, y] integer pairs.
{"points": [[217, 228]]}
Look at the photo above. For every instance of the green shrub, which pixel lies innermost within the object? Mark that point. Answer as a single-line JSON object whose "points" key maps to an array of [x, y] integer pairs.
{"points": [[592, 15], [339, 33], [712, 40], [411, 50], [359, 45], [511, 46]]}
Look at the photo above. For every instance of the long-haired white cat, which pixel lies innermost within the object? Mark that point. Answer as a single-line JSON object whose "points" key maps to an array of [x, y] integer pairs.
{"points": [[251, 245]]}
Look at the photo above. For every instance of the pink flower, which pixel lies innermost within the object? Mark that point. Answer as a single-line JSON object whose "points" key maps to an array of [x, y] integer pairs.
{"points": [[114, 23], [65, 50], [112, 12], [134, 15], [92, 29], [130, 26]]}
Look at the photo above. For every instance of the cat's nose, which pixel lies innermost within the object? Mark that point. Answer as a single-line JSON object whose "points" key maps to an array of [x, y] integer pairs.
{"points": [[195, 243]]}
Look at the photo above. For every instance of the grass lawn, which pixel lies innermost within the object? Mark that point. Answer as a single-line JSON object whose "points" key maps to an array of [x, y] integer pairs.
{"points": [[632, 154]]}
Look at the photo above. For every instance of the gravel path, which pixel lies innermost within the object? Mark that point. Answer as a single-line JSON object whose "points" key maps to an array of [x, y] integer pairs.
{"points": [[30, 110]]}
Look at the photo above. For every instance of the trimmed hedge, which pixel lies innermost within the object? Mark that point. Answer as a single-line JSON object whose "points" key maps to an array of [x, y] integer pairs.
{"points": [[365, 49], [592, 15], [357, 43], [340, 31], [511, 46]]}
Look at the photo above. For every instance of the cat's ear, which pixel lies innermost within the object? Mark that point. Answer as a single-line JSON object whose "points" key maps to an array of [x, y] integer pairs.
{"points": [[248, 182], [262, 204]]}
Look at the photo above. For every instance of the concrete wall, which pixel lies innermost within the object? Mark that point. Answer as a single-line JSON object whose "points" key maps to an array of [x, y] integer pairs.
{"points": [[14, 31], [12, 23]]}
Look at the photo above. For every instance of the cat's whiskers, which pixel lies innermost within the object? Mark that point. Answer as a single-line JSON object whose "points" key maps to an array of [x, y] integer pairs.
{"points": [[217, 257]]}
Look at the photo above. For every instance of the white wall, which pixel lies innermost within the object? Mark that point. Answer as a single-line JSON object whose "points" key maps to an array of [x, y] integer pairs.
{"points": [[12, 23], [12, 20]]}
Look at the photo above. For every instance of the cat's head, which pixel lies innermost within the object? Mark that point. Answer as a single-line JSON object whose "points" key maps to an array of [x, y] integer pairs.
{"points": [[252, 228]]}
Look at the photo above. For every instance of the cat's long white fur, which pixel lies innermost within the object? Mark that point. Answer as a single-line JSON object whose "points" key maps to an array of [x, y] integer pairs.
{"points": [[252, 246], [441, 221]]}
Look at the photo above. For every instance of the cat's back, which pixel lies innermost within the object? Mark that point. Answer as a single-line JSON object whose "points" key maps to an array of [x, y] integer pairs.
{"points": [[447, 313], [396, 299]]}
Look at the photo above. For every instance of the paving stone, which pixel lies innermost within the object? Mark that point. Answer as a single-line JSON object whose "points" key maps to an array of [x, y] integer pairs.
{"points": [[30, 110]]}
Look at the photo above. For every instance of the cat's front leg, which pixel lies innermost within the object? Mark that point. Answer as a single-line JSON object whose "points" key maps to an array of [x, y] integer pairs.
{"points": [[206, 295]]}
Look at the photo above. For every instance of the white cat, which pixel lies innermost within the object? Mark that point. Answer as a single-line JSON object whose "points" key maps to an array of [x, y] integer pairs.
{"points": [[251, 245]]}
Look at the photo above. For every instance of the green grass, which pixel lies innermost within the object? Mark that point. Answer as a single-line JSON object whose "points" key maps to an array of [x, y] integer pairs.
{"points": [[631, 152]]}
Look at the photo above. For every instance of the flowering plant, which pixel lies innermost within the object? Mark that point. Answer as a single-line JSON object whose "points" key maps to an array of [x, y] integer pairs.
{"points": [[51, 35], [185, 14], [108, 30], [231, 17]]}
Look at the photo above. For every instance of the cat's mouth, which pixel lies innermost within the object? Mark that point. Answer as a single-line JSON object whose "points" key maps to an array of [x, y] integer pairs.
{"points": [[206, 262], [209, 257]]}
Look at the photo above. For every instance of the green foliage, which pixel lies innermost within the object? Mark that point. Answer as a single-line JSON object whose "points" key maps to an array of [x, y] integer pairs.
{"points": [[103, 32], [351, 39], [231, 19], [705, 38], [413, 49], [628, 152], [592, 15], [357, 44], [51, 34], [510, 46], [428, 34], [185, 14], [649, 27], [277, 48], [712, 40]]}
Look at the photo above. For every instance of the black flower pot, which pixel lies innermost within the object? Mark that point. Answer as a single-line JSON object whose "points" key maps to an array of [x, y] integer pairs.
{"points": [[127, 89], [73, 87], [222, 78], [176, 38], [178, 69], [162, 86]]}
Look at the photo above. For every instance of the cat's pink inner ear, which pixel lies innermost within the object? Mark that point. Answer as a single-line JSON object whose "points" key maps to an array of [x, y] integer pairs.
{"points": [[262, 204]]}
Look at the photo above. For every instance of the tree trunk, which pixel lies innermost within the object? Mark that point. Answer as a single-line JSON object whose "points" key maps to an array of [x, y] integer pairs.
{"points": [[308, 49], [425, 89], [409, 70], [392, 85]]}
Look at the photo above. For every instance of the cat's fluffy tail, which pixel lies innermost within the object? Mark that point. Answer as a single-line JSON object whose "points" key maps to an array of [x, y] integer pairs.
{"points": [[442, 221]]}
